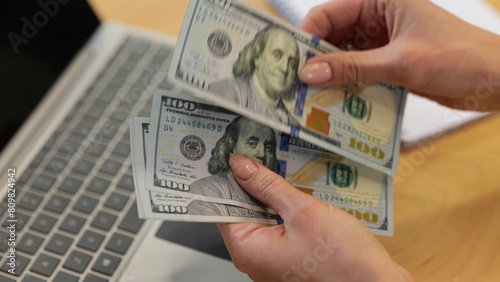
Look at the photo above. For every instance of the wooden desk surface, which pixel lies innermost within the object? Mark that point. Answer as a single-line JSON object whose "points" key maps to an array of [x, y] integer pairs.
{"points": [[446, 195]]}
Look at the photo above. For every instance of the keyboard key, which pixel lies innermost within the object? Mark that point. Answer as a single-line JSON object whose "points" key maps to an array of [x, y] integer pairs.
{"points": [[4, 241], [25, 177], [133, 95], [116, 201], [145, 77], [126, 182], [65, 277], [158, 58], [70, 185], [103, 220], [94, 113], [30, 201], [37, 160], [74, 111], [135, 57], [120, 114], [95, 149], [45, 265], [107, 95], [21, 263], [30, 278], [83, 166], [122, 73], [118, 81], [119, 243], [108, 130], [99, 104], [72, 223], [57, 204], [21, 220], [126, 135], [98, 185], [93, 278], [131, 222], [43, 223], [61, 128], [3, 208], [56, 165], [140, 49], [85, 204], [89, 121], [43, 182], [110, 167], [77, 261], [50, 143], [165, 51], [69, 147], [82, 130], [29, 243], [7, 279], [59, 244], [122, 149], [91, 240], [106, 264]]}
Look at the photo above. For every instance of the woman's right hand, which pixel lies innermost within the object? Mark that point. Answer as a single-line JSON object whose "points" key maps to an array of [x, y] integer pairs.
{"points": [[414, 44]]}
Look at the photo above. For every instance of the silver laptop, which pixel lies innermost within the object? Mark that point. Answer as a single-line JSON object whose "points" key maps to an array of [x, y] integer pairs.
{"points": [[68, 87]]}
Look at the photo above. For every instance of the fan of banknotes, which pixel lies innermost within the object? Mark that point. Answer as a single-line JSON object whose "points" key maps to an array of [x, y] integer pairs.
{"points": [[236, 91]]}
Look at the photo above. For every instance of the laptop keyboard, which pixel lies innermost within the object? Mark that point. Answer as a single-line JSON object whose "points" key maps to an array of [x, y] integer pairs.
{"points": [[75, 204]]}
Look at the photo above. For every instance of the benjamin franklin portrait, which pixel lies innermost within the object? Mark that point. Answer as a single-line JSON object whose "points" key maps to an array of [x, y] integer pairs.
{"points": [[245, 137], [264, 75]]}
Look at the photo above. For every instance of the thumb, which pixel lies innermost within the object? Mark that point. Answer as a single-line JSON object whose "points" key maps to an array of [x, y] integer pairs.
{"points": [[346, 67], [268, 187]]}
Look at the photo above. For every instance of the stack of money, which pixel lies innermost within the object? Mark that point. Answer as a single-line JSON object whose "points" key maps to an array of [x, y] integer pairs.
{"points": [[237, 69]]}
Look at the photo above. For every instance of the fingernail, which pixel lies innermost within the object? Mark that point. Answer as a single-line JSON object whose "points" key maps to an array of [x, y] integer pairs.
{"points": [[316, 73], [242, 167]]}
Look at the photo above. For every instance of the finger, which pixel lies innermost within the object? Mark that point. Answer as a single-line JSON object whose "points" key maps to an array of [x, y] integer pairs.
{"points": [[334, 20], [376, 65], [268, 187]]}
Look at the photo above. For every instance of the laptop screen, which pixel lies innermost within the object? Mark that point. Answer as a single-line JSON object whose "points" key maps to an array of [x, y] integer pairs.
{"points": [[37, 40]]}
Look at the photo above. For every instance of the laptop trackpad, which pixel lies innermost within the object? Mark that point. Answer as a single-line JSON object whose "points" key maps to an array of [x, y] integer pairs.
{"points": [[203, 237]]}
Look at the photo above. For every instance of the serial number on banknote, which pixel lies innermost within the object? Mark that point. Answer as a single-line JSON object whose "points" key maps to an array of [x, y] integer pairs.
{"points": [[191, 123]]}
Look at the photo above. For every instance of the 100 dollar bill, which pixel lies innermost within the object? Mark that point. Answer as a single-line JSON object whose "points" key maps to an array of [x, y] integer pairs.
{"points": [[154, 205], [246, 61], [191, 140]]}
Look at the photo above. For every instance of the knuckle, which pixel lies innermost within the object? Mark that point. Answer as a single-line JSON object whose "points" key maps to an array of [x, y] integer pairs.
{"points": [[350, 70], [265, 184], [316, 22]]}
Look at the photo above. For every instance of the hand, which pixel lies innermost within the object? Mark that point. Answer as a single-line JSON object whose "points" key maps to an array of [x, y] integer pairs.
{"points": [[317, 242], [414, 44]]}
